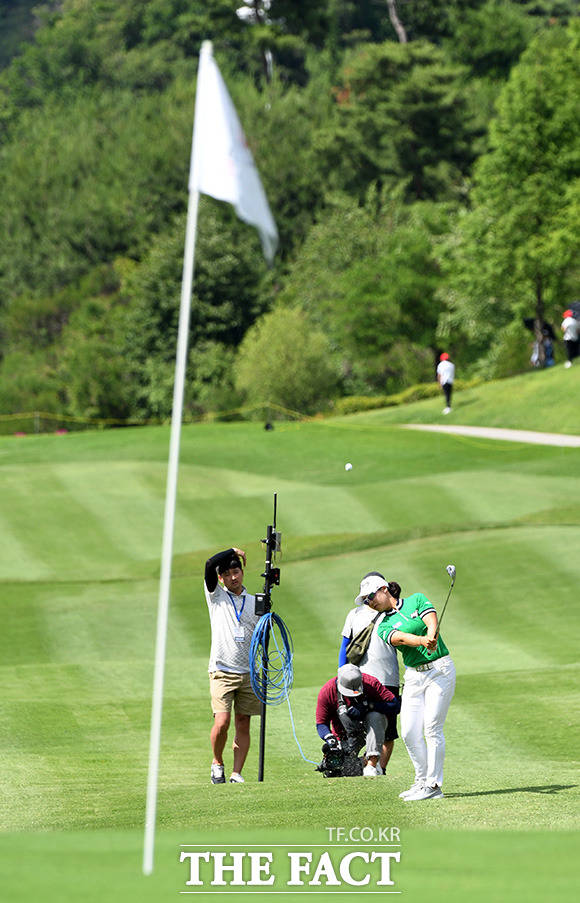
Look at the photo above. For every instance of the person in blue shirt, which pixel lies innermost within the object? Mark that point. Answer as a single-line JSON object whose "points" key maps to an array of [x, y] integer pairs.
{"points": [[380, 661]]}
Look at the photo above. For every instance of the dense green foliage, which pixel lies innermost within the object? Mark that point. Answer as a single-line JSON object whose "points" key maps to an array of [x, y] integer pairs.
{"points": [[17, 25], [283, 360], [413, 138], [517, 250], [374, 296], [413, 211]]}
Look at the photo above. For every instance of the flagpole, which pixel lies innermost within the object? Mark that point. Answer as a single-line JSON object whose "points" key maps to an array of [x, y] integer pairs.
{"points": [[226, 173], [169, 517]]}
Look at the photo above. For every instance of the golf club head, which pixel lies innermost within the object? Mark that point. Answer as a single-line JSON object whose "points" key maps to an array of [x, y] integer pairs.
{"points": [[451, 571]]}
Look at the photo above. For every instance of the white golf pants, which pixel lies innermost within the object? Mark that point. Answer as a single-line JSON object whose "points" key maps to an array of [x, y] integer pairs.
{"points": [[424, 706]]}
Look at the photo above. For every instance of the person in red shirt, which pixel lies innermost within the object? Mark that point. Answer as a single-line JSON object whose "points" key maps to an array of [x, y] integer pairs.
{"points": [[351, 711]]}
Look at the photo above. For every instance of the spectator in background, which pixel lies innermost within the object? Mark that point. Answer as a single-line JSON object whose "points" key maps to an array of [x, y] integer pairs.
{"points": [[548, 349], [548, 346], [571, 329], [445, 377]]}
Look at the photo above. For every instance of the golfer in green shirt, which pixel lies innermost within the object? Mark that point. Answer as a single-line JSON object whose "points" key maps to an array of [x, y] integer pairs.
{"points": [[411, 625]]}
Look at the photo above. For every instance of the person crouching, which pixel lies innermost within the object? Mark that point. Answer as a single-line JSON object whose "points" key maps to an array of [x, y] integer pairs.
{"points": [[351, 711]]}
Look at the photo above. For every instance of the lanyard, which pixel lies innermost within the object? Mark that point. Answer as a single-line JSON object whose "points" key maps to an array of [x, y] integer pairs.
{"points": [[238, 614]]}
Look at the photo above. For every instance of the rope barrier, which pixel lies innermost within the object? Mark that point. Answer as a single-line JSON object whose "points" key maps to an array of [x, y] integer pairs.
{"points": [[46, 421]]}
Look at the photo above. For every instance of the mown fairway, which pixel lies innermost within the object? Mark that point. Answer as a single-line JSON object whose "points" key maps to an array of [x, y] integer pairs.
{"points": [[80, 526]]}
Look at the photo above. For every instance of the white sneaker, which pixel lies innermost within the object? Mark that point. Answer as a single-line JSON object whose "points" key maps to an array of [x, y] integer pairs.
{"points": [[217, 774], [372, 771], [236, 778], [426, 793], [568, 364], [418, 785], [446, 410]]}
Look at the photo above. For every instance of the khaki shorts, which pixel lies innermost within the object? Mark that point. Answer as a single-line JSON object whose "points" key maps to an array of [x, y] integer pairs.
{"points": [[227, 688]]}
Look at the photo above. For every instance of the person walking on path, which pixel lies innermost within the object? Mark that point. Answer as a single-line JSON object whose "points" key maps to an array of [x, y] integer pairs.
{"points": [[411, 625], [232, 618], [571, 330], [445, 377]]}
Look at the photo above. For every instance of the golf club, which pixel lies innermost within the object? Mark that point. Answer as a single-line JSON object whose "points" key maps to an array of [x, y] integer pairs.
{"points": [[452, 572]]}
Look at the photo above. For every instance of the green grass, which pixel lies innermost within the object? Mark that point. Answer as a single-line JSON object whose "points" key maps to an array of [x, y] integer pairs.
{"points": [[454, 866], [81, 533], [544, 400]]}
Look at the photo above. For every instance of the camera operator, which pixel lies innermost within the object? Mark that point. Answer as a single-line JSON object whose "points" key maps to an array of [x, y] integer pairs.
{"points": [[351, 710]]}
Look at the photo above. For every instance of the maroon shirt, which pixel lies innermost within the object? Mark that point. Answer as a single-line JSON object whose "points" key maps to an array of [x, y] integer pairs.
{"points": [[327, 704]]}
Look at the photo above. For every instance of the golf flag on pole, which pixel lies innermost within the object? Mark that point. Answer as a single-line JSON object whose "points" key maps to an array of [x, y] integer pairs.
{"points": [[222, 164]]}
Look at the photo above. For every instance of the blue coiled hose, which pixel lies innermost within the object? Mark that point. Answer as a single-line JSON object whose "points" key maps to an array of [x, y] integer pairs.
{"points": [[271, 670]]}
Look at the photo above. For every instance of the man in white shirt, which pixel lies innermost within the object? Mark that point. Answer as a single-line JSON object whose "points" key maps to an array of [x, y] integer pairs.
{"points": [[445, 377], [232, 618], [571, 329]]}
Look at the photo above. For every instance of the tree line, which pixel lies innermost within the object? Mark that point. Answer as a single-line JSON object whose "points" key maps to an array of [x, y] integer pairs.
{"points": [[422, 162]]}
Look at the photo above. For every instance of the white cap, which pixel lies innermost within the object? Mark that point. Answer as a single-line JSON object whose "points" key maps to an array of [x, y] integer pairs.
{"points": [[369, 585]]}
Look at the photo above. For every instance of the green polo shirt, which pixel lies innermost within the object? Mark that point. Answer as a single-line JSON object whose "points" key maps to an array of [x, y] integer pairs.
{"points": [[408, 619]]}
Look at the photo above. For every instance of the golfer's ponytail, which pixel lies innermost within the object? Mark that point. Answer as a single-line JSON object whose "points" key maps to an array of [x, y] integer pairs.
{"points": [[394, 589]]}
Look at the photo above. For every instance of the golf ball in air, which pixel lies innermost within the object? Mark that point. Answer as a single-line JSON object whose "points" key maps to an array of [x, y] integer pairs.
{"points": [[348, 466]]}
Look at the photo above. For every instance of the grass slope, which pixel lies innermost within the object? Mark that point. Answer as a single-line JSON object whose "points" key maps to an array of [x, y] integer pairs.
{"points": [[81, 531], [544, 400]]}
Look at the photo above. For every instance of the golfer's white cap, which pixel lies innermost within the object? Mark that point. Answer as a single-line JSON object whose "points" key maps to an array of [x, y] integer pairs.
{"points": [[369, 585], [349, 682]]}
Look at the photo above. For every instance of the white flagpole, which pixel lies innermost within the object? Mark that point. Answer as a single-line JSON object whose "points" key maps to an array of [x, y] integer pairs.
{"points": [[222, 167], [169, 519]]}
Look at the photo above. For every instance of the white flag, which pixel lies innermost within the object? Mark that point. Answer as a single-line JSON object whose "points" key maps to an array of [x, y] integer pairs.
{"points": [[222, 164]]}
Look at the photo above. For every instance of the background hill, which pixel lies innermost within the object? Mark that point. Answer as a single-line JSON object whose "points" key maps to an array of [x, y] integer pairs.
{"points": [[420, 200], [545, 400]]}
